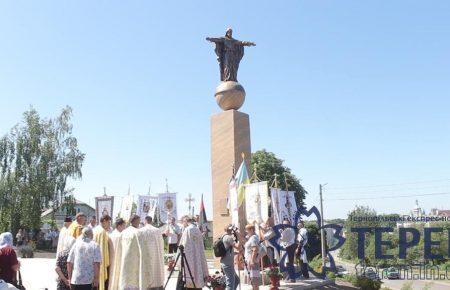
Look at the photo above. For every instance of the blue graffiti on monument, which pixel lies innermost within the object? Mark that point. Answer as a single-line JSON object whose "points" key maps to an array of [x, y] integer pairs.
{"points": [[303, 212]]}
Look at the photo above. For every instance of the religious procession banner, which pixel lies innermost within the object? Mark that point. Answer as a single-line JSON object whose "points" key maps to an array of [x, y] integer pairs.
{"points": [[147, 206], [104, 206], [257, 202], [233, 202], [283, 205], [275, 205], [127, 206], [167, 206]]}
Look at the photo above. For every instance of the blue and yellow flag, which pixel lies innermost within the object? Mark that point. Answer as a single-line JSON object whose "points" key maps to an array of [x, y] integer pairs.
{"points": [[241, 180]]}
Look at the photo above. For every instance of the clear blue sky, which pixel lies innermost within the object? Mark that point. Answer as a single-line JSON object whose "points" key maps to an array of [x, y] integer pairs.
{"points": [[347, 92]]}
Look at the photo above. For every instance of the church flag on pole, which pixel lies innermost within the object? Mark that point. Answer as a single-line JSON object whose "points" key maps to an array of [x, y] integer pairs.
{"points": [[203, 219], [241, 179], [233, 203]]}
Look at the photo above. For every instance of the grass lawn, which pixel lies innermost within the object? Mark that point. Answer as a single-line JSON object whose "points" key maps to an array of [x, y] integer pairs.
{"points": [[209, 253]]}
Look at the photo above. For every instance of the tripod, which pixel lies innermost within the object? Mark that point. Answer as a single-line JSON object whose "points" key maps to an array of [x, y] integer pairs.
{"points": [[184, 265]]}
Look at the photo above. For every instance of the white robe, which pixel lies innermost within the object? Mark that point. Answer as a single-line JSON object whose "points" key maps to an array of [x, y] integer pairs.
{"points": [[116, 252], [192, 240], [127, 267], [62, 236], [151, 247]]}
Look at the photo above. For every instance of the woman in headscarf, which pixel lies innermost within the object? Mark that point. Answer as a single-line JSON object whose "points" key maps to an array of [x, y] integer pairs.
{"points": [[61, 264], [9, 265]]}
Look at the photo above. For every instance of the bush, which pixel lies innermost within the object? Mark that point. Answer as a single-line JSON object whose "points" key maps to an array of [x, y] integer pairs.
{"points": [[316, 264], [445, 266], [367, 284], [208, 242], [331, 275], [349, 278], [407, 286]]}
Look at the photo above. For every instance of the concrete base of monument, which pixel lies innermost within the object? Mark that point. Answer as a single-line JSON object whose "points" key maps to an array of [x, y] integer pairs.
{"points": [[310, 283], [230, 95]]}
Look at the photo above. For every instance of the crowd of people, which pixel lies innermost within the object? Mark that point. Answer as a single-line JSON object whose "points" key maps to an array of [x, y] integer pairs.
{"points": [[255, 249], [131, 255]]}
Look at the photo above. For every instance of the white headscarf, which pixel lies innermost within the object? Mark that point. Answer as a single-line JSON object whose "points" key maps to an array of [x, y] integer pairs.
{"points": [[6, 240]]}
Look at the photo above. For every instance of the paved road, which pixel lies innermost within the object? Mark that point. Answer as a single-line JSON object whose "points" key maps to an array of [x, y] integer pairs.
{"points": [[417, 284], [397, 284], [39, 274]]}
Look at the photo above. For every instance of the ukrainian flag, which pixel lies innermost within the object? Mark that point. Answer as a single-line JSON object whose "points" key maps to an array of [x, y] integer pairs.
{"points": [[241, 180]]}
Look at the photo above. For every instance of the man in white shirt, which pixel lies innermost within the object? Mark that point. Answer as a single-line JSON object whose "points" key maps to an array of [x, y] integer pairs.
{"points": [[287, 241], [63, 233], [173, 232], [302, 241], [83, 263]]}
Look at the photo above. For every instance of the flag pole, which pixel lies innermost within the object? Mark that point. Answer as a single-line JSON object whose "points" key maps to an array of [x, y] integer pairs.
{"points": [[239, 220], [238, 256]]}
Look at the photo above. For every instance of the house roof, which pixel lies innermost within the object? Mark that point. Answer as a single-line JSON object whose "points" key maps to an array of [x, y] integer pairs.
{"points": [[77, 202], [444, 212]]}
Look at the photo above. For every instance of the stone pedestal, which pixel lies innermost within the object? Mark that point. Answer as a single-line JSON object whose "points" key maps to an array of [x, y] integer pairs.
{"points": [[230, 137]]}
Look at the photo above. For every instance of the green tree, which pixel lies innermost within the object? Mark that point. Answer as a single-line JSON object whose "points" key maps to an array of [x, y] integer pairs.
{"points": [[37, 158], [349, 250], [313, 247], [266, 165]]}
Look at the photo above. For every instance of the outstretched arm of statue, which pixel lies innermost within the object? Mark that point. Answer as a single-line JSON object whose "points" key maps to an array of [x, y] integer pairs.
{"points": [[247, 43], [213, 39]]}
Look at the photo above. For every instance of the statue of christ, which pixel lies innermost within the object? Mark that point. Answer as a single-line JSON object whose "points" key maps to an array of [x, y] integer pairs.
{"points": [[229, 53]]}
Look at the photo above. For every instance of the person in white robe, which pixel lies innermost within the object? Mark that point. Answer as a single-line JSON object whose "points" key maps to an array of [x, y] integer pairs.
{"points": [[115, 236], [192, 240], [151, 246], [63, 233], [126, 265]]}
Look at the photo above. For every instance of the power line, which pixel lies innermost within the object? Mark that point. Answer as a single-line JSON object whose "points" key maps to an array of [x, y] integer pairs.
{"points": [[393, 184], [391, 196], [372, 191]]}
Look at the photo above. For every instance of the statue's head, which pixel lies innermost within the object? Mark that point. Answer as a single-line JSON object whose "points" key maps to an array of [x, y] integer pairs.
{"points": [[229, 33]]}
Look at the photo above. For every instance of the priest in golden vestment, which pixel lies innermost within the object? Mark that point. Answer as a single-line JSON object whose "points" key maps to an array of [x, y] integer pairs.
{"points": [[101, 237], [77, 226]]}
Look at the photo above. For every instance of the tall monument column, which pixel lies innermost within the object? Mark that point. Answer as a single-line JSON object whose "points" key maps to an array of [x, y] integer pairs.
{"points": [[230, 129]]}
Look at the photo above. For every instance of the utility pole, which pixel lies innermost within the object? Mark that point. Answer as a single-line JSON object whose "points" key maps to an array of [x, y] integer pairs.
{"points": [[322, 230]]}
